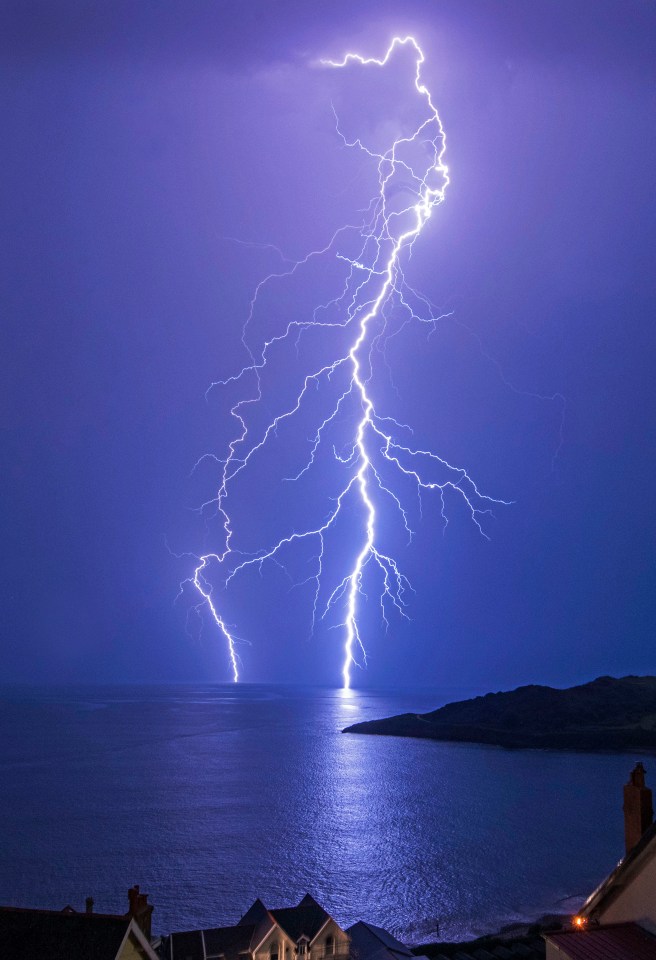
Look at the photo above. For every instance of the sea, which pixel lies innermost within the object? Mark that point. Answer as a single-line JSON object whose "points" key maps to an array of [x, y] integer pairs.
{"points": [[211, 796]]}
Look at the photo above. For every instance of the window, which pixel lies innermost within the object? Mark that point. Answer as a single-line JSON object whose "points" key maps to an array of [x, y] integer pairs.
{"points": [[302, 948], [273, 951], [330, 946]]}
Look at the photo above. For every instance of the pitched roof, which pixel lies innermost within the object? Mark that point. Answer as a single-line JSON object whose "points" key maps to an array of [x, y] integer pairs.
{"points": [[217, 941], [618, 941], [230, 941], [369, 942], [610, 887], [255, 914], [53, 935], [306, 919]]}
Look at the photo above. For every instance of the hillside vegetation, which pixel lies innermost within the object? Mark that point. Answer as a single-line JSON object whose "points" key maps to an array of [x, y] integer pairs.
{"points": [[605, 714]]}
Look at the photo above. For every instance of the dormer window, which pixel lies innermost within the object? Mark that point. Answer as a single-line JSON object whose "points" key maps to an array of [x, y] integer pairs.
{"points": [[302, 948]]}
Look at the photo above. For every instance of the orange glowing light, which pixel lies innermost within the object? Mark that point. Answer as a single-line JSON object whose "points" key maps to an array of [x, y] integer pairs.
{"points": [[579, 922]]}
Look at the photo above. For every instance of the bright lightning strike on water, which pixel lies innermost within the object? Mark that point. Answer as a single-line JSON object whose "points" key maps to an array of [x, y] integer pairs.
{"points": [[377, 462]]}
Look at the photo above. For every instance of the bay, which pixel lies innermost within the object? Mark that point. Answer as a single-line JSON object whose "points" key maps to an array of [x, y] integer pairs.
{"points": [[210, 796]]}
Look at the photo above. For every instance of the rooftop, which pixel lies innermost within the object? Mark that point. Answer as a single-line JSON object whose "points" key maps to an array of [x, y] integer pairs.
{"points": [[57, 935], [618, 941], [199, 944], [306, 919]]}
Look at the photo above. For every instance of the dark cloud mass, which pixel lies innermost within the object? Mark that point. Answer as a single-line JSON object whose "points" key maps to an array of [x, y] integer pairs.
{"points": [[137, 137]]}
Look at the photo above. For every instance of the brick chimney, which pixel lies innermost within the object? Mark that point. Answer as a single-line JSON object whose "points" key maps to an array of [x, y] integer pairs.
{"points": [[638, 810], [140, 910], [88, 903]]}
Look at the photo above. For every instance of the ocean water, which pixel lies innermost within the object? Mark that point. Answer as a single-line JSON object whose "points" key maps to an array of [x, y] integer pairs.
{"points": [[211, 796]]}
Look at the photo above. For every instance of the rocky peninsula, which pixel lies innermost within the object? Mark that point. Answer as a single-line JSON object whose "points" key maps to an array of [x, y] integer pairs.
{"points": [[606, 714]]}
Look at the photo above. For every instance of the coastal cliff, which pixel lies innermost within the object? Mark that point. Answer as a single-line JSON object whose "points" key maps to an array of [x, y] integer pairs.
{"points": [[605, 714]]}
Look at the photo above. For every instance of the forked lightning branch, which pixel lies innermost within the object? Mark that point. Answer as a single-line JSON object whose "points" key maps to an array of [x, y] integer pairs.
{"points": [[376, 460]]}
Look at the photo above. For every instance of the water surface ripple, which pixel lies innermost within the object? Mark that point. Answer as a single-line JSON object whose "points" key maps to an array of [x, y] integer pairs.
{"points": [[211, 796]]}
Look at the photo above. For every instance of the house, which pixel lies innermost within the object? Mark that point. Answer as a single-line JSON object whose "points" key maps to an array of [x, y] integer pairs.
{"points": [[69, 935], [304, 932], [618, 921]]}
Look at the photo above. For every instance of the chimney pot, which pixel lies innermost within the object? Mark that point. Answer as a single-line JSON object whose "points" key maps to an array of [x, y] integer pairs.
{"points": [[638, 809], [89, 904]]}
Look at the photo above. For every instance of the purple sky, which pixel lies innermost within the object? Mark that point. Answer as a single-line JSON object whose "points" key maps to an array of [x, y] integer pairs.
{"points": [[137, 137]]}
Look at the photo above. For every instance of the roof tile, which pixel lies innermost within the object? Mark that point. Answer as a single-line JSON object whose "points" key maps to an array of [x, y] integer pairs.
{"points": [[620, 941]]}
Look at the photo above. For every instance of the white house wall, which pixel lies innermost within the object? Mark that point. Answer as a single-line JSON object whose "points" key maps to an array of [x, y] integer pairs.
{"points": [[341, 941], [636, 902], [277, 936]]}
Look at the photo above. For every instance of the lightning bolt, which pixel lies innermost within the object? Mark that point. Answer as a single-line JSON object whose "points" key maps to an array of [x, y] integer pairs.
{"points": [[374, 304]]}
